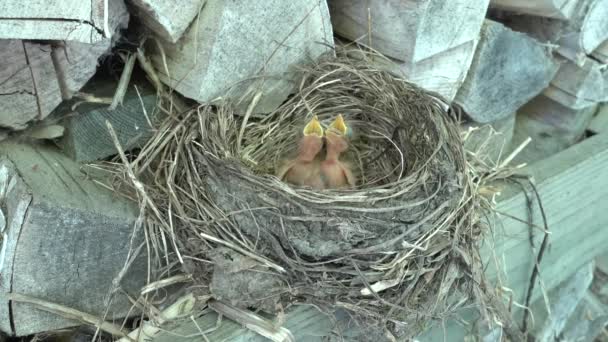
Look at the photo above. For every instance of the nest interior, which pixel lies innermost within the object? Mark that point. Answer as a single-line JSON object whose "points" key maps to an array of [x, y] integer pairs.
{"points": [[389, 251]]}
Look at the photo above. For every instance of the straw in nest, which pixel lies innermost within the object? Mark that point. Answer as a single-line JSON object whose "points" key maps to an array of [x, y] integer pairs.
{"points": [[390, 251]]}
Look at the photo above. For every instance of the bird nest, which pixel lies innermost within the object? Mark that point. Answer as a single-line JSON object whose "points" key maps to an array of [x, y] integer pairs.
{"points": [[389, 251]]}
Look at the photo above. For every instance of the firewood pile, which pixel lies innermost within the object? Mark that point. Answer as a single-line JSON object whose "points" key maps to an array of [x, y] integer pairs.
{"points": [[127, 128]]}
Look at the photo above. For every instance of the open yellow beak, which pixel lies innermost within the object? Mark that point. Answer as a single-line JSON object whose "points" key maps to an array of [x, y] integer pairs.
{"points": [[313, 127], [340, 125]]}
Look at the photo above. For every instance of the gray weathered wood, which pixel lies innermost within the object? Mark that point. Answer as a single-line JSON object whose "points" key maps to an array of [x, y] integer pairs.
{"points": [[73, 20], [579, 86], [551, 125], [267, 39], [599, 123], [563, 301], [601, 53], [559, 9], [408, 30], [168, 19], [573, 186], [498, 82], [65, 241], [87, 138], [442, 73], [30, 83], [580, 36], [588, 321]]}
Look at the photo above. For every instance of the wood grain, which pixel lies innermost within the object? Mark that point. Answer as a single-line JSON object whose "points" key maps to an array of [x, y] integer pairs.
{"points": [[579, 85], [267, 39], [559, 9], [30, 88], [70, 20], [492, 93], [65, 242], [168, 19], [408, 30]]}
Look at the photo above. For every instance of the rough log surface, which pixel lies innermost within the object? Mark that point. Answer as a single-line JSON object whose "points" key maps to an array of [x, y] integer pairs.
{"points": [[408, 30], [267, 39], [70, 20], [491, 93], [559, 9], [599, 123], [551, 125], [601, 53], [579, 86], [576, 38], [65, 241], [30, 87], [168, 19], [87, 138], [442, 73]]}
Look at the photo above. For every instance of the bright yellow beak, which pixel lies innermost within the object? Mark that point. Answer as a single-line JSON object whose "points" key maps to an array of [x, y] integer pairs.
{"points": [[340, 125], [313, 127]]}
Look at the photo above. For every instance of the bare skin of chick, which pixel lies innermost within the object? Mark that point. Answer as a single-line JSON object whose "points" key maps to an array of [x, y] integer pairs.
{"points": [[336, 173], [305, 169]]}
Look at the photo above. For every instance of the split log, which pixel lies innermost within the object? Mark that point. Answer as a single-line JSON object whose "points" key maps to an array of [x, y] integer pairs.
{"points": [[576, 38], [86, 137], [552, 126], [32, 83], [408, 30], [65, 241], [579, 86], [442, 73], [70, 20], [498, 82], [599, 123], [601, 53], [168, 19], [204, 64], [559, 9]]}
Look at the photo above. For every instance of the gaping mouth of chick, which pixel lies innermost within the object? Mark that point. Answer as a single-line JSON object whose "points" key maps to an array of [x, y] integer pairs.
{"points": [[313, 127], [339, 125]]}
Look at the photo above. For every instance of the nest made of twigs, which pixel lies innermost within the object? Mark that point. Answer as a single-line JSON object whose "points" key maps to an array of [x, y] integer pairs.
{"points": [[387, 250]]}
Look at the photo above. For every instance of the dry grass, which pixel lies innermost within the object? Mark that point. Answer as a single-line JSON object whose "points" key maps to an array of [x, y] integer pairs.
{"points": [[399, 249]]}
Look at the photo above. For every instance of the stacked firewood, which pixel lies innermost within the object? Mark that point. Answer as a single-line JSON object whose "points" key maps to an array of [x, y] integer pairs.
{"points": [[525, 68]]}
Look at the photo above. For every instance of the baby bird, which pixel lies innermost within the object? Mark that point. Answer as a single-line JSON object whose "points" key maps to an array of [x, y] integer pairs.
{"points": [[335, 173], [304, 170]]}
